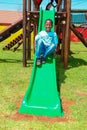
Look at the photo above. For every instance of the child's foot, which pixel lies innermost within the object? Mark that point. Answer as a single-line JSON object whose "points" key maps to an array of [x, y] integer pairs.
{"points": [[43, 60], [38, 61]]}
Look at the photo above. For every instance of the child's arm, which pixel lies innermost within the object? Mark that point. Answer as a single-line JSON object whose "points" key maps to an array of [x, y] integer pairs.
{"points": [[37, 37], [55, 38], [55, 42]]}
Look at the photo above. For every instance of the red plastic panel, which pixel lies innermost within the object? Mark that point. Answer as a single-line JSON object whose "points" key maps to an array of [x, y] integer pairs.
{"points": [[38, 1]]}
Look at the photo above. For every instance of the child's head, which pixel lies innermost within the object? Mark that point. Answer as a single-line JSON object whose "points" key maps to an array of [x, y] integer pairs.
{"points": [[48, 25]]}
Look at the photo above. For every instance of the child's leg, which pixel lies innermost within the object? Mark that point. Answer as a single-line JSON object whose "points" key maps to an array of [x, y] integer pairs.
{"points": [[39, 48], [50, 49]]}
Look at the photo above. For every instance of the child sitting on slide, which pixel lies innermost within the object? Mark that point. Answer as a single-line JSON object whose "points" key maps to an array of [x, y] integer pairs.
{"points": [[46, 42]]}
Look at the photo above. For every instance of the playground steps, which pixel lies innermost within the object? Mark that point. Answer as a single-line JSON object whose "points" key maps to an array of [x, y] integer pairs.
{"points": [[18, 45], [13, 42]]}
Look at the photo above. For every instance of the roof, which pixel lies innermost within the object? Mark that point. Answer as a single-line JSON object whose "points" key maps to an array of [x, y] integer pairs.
{"points": [[9, 17]]}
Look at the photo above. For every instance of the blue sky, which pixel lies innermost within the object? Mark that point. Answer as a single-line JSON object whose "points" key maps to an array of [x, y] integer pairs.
{"points": [[17, 4], [79, 4], [11, 5]]}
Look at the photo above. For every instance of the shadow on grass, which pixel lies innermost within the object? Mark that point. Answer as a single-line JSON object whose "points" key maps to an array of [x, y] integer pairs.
{"points": [[60, 72], [30, 62], [10, 61], [16, 61], [76, 62], [73, 63]]}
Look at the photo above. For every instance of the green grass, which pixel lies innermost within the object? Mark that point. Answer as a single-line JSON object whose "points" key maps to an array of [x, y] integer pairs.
{"points": [[14, 80]]}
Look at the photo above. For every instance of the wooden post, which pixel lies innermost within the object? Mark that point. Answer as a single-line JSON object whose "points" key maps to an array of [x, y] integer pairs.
{"points": [[35, 32], [69, 27], [58, 5], [63, 38], [29, 33], [63, 32], [36, 4], [24, 31], [67, 36]]}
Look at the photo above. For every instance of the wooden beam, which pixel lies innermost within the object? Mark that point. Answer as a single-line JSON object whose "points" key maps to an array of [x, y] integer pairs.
{"points": [[58, 4], [67, 35], [63, 42], [24, 31], [78, 35], [29, 33], [78, 11], [11, 27], [63, 32], [36, 4], [37, 12]]}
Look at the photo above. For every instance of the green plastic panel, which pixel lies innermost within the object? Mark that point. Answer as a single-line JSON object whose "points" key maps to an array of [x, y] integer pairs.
{"points": [[42, 97]]}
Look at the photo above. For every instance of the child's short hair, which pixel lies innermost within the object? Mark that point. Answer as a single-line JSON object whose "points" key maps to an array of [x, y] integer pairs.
{"points": [[49, 20]]}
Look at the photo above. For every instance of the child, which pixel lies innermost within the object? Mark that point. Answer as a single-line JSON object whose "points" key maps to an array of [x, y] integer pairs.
{"points": [[46, 42]]}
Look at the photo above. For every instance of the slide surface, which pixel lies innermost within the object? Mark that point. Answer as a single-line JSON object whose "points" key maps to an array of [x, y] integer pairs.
{"points": [[42, 97]]}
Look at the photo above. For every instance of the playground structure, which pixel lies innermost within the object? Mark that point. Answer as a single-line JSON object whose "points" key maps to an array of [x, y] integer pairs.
{"points": [[62, 19], [32, 17], [42, 96], [29, 23], [12, 29]]}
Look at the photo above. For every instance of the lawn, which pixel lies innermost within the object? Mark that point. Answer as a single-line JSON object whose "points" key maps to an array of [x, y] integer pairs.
{"points": [[14, 80]]}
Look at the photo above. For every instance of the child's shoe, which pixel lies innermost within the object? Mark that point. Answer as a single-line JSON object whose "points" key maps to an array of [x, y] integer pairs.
{"points": [[43, 60], [38, 61]]}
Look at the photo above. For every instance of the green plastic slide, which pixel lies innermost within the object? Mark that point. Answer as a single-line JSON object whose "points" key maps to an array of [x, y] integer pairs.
{"points": [[42, 97]]}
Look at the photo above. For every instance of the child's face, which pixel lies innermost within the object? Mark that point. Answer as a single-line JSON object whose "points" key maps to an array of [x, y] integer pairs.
{"points": [[48, 25]]}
